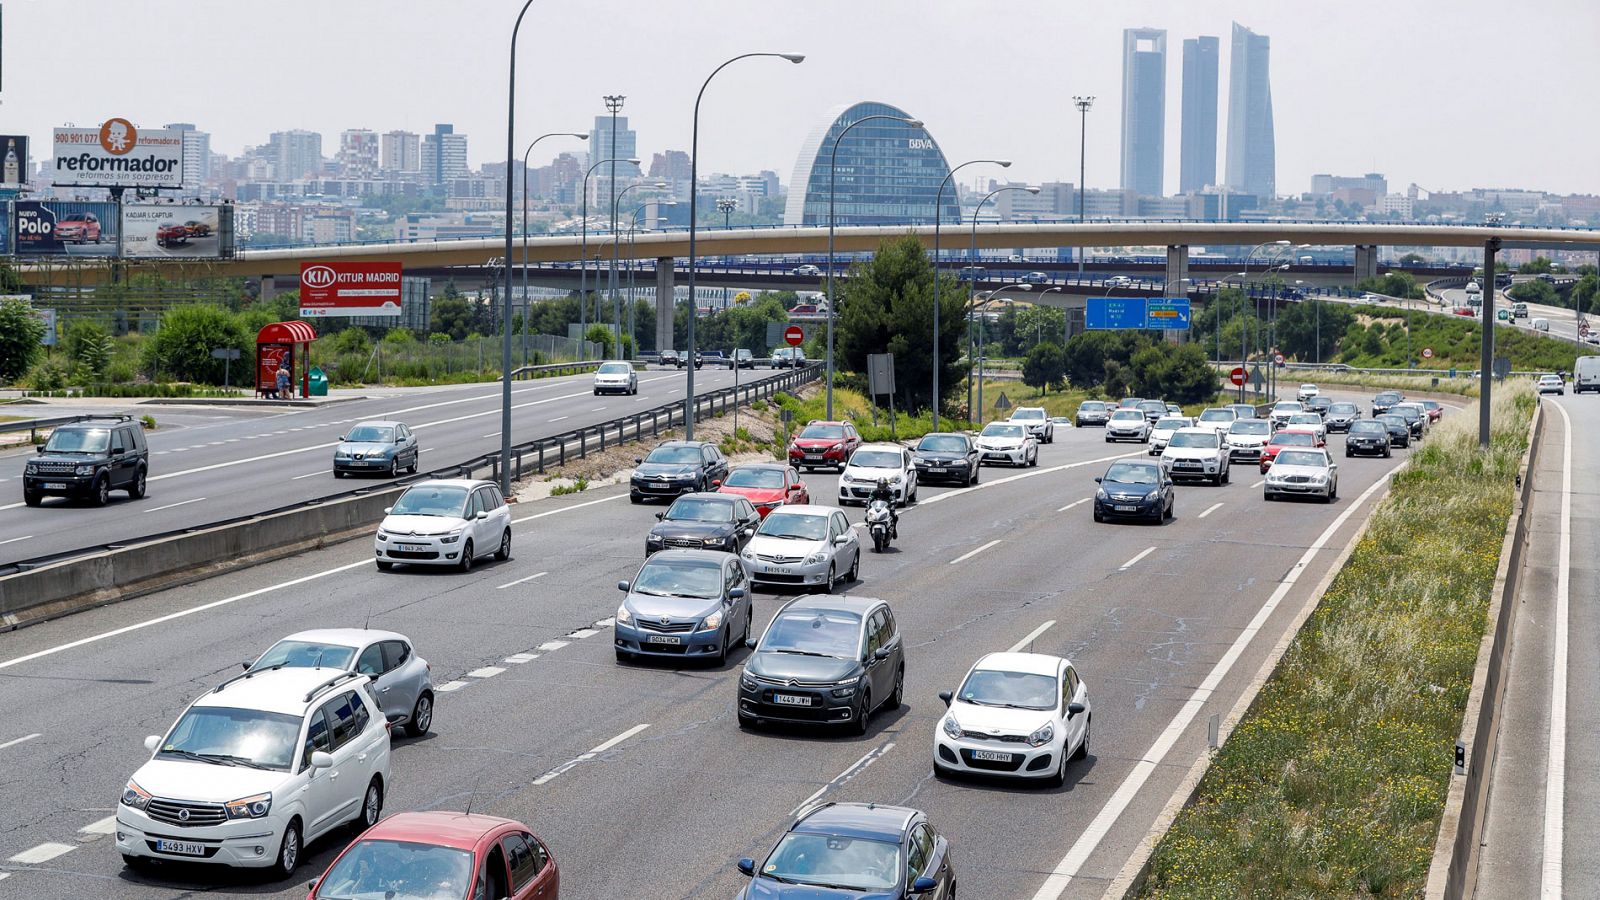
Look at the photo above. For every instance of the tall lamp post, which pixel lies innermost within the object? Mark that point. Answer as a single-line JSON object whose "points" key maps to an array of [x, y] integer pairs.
{"points": [[505, 341], [694, 172], [583, 259], [973, 311], [526, 308], [972, 264], [616, 306], [726, 206], [614, 106], [1083, 104], [833, 172], [633, 222], [938, 204]]}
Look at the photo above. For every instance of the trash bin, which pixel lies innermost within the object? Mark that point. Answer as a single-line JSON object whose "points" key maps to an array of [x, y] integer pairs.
{"points": [[1452, 372], [317, 385]]}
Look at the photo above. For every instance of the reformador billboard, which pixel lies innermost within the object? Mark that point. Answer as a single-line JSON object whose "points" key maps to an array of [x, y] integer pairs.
{"points": [[64, 228], [117, 154], [350, 289], [170, 231]]}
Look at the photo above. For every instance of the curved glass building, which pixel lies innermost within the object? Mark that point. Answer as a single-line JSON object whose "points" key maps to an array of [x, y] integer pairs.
{"points": [[889, 172]]}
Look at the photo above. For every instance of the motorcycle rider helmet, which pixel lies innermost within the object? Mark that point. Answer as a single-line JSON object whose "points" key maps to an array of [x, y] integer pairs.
{"points": [[883, 484]]}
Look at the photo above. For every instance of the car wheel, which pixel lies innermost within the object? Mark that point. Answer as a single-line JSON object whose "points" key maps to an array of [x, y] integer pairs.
{"points": [[1172, 509], [1083, 746], [32, 499], [466, 556], [1098, 517], [855, 572], [384, 565], [137, 486], [288, 851], [863, 714], [830, 579], [371, 806], [1348, 454], [136, 863], [896, 698], [635, 498], [102, 491], [394, 467], [943, 772], [721, 659], [1108, 439], [504, 553], [337, 473], [748, 723], [1058, 778], [1227, 475], [416, 462], [1387, 453], [421, 715], [1268, 496]]}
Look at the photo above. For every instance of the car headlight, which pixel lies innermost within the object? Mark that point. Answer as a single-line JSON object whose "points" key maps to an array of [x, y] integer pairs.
{"points": [[750, 555], [252, 807], [84, 470], [713, 621], [382, 536], [894, 479], [30, 469], [1042, 736], [951, 727], [451, 538], [816, 558], [623, 615], [747, 682], [843, 691], [135, 796], [836, 447]]}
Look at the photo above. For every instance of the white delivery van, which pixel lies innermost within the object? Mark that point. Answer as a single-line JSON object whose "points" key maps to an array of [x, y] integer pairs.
{"points": [[1539, 324], [1586, 375]]}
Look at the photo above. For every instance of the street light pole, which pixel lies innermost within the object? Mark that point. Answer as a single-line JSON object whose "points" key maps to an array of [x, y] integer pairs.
{"points": [[833, 171], [694, 177], [633, 223], [973, 311], [527, 308], [614, 105], [972, 264], [616, 307], [505, 341], [938, 204], [1083, 104], [583, 260]]}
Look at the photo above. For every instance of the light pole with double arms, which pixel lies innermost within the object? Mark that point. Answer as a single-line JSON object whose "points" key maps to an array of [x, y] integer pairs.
{"points": [[633, 222], [583, 258], [616, 307], [1083, 104], [938, 204], [694, 173], [505, 341], [972, 266], [972, 311], [526, 307]]}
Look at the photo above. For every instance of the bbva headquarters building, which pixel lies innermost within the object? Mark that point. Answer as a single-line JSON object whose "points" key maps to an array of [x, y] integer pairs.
{"points": [[889, 172]]}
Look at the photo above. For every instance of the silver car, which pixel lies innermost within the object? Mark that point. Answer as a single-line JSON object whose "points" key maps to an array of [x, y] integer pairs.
{"points": [[377, 447], [684, 604], [1302, 471], [400, 679], [804, 546], [1128, 425]]}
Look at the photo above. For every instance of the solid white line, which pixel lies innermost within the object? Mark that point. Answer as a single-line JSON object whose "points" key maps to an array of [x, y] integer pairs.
{"points": [[15, 741], [521, 580], [1133, 562], [1055, 884], [597, 409], [1032, 635], [15, 539], [1075, 503], [449, 686], [42, 853], [971, 553], [485, 672], [1209, 510], [103, 826], [1258, 484], [310, 475], [175, 505], [1555, 776], [855, 768]]}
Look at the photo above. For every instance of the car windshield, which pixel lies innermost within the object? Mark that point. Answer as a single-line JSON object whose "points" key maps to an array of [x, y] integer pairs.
{"points": [[876, 459], [1405, 412], [771, 479], [398, 870], [1294, 439], [1387, 397], [1018, 690], [699, 509], [1287, 407], [1430, 405], [1126, 402], [1302, 458], [306, 655], [1153, 406], [823, 432], [370, 434], [943, 443], [1251, 426], [1305, 419], [1129, 473], [680, 578], [1393, 421], [1342, 409], [78, 440], [615, 368], [674, 456], [1036, 415], [1000, 429], [1194, 439], [844, 863], [1171, 423], [1091, 406], [1121, 415], [794, 525], [431, 501], [228, 736], [1367, 425], [827, 632], [1309, 388]]}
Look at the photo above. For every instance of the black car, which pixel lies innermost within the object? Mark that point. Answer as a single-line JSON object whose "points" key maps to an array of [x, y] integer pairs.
{"points": [[1153, 409], [842, 850], [1384, 400], [1399, 429], [946, 456], [676, 467], [1134, 489], [824, 659], [1319, 405], [1415, 418], [1368, 436], [89, 459], [667, 357], [704, 521], [1092, 412]]}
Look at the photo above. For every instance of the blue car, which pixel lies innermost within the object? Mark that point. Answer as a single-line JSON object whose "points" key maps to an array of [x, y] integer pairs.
{"points": [[685, 604], [860, 850]]}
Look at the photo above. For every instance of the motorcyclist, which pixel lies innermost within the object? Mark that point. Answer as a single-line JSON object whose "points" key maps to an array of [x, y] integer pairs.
{"points": [[883, 492]]}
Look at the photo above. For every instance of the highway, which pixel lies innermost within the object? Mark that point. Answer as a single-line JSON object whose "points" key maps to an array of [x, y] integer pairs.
{"points": [[223, 462], [1167, 624], [1563, 322]]}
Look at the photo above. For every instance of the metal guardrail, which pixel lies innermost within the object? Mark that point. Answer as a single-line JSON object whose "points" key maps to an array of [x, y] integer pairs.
{"points": [[32, 426], [523, 373]]}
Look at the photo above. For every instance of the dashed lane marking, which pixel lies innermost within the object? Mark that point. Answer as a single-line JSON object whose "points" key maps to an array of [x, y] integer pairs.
{"points": [[521, 580], [485, 672], [839, 780], [103, 826], [449, 686], [971, 553], [583, 633], [1135, 561], [15, 741], [1209, 510], [555, 773], [176, 505], [1074, 503], [1032, 636], [548, 646], [42, 853]]}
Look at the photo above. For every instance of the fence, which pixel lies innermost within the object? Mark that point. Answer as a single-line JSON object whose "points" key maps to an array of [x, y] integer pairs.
{"points": [[428, 360]]}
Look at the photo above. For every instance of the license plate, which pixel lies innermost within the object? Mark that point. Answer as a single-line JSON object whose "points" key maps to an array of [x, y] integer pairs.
{"points": [[183, 847], [658, 487], [1127, 508], [791, 699], [813, 456], [773, 570], [411, 548], [54, 486], [935, 470], [991, 756], [663, 639]]}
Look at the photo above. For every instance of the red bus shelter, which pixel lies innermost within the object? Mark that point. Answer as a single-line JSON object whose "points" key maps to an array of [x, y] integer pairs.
{"points": [[284, 345]]}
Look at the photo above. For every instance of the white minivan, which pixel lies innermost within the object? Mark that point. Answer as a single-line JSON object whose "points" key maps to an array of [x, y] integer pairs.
{"points": [[1539, 324], [448, 522], [1586, 375]]}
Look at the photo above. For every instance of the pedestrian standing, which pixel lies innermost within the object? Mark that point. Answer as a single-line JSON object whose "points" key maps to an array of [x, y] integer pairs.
{"points": [[283, 383]]}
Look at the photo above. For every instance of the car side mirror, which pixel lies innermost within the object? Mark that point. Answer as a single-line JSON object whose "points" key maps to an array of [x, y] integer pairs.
{"points": [[482, 514], [387, 510], [797, 487], [946, 696], [344, 438], [152, 742], [622, 585], [321, 759], [40, 449], [399, 440], [750, 643], [747, 866], [244, 664], [842, 539], [881, 653], [638, 460], [1074, 708], [748, 532], [736, 593], [117, 451], [716, 482], [1097, 480], [660, 516], [923, 885]]}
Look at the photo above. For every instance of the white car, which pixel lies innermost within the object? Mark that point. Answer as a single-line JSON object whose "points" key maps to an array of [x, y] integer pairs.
{"points": [[1282, 410], [1010, 443], [1306, 392], [1217, 418], [1552, 384], [616, 378], [401, 680], [1309, 421], [1303, 470], [807, 271], [804, 546], [1163, 432], [1127, 425], [256, 769], [1247, 438], [449, 522], [871, 462], [1020, 714], [1196, 453], [1037, 421]]}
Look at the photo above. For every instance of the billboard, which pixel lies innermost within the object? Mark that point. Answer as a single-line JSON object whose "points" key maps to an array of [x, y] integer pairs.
{"points": [[171, 231], [64, 228], [13, 161], [340, 288], [117, 154]]}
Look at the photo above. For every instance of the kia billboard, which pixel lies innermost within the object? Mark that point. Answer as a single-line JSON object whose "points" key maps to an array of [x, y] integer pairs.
{"points": [[13, 161], [64, 228], [349, 289], [171, 231], [118, 154]]}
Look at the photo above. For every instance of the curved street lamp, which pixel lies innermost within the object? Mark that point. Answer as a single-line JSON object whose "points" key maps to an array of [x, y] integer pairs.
{"points": [[616, 307], [938, 203], [583, 257], [633, 222], [525, 306], [988, 297], [972, 261], [505, 341]]}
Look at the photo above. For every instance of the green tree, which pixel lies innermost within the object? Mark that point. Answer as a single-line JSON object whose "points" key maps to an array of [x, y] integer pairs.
{"points": [[1537, 266], [1393, 284], [1090, 355], [20, 334], [1299, 330], [181, 348], [1583, 293], [451, 313], [1412, 259], [10, 279], [601, 334], [88, 345], [1045, 365], [1535, 291], [352, 340]]}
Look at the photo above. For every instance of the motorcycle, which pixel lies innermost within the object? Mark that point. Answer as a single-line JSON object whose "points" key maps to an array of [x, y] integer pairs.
{"points": [[880, 521]]}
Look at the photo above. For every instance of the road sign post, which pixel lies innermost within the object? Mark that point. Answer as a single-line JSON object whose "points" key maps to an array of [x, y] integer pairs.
{"points": [[880, 380], [227, 355]]}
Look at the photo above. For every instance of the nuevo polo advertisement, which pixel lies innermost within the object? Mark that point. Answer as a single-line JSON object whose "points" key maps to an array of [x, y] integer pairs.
{"points": [[64, 228], [118, 154], [350, 289], [169, 231]]}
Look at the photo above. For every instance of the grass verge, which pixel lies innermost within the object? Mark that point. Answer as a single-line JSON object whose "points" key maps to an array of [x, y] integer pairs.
{"points": [[1333, 783]]}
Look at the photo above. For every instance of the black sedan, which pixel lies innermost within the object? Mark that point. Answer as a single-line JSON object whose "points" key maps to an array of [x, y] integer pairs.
{"points": [[1134, 489], [1399, 429], [946, 456], [677, 467], [1367, 437], [704, 522], [823, 660]]}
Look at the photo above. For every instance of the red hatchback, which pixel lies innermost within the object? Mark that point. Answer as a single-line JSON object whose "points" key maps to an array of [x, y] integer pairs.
{"points": [[1289, 437], [766, 485], [824, 445], [443, 854]]}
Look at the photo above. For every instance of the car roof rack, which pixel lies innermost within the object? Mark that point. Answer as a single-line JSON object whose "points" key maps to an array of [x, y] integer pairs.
{"points": [[115, 417], [331, 682], [248, 673]]}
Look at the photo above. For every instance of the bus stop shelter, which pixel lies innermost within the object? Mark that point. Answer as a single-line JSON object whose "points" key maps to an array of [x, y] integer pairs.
{"points": [[285, 345]]}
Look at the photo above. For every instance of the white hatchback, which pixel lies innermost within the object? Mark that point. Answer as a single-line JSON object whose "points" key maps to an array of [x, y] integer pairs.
{"points": [[616, 377], [450, 522], [1019, 714], [870, 462], [1010, 443]]}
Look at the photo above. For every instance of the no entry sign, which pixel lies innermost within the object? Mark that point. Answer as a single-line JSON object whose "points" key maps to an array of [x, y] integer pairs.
{"points": [[1237, 375], [794, 336]]}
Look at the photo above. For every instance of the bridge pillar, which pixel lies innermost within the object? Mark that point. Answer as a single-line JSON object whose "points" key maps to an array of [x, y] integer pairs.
{"points": [[1177, 271], [665, 308], [269, 288], [1366, 261]]}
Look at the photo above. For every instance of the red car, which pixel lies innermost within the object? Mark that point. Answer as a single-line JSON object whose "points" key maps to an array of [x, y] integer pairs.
{"points": [[78, 228], [442, 854], [1435, 409], [167, 235], [766, 485], [1289, 437], [824, 445]]}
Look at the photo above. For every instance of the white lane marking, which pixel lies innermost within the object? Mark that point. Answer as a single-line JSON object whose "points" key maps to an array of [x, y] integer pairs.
{"points": [[558, 770], [15, 539], [490, 434], [1031, 473], [1555, 778], [559, 418], [566, 509], [1258, 484], [176, 505], [311, 474], [855, 769], [971, 553], [485, 672], [15, 741], [1209, 510], [1032, 636], [597, 409], [1075, 503], [521, 580], [518, 659], [103, 826], [11, 506], [583, 633], [42, 853], [548, 646], [1070, 865], [606, 622], [1135, 561], [449, 686]]}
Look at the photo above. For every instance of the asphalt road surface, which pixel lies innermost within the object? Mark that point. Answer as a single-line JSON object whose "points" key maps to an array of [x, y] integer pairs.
{"points": [[1166, 623]]}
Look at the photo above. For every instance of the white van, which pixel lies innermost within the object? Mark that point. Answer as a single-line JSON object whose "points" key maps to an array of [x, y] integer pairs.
{"points": [[1586, 375], [1539, 324]]}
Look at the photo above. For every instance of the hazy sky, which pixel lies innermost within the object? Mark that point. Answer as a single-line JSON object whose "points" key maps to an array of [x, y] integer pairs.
{"points": [[1450, 94]]}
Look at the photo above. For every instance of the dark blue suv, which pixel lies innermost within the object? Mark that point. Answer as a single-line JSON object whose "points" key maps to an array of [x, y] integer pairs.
{"points": [[857, 850]]}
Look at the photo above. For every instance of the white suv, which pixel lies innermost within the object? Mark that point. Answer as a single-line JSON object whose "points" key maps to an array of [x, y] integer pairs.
{"points": [[871, 462], [449, 522], [1197, 453], [255, 769], [1037, 421]]}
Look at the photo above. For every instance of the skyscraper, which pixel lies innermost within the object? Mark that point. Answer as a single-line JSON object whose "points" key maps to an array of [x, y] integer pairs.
{"points": [[196, 157], [295, 154], [1197, 156], [358, 153], [401, 151], [1252, 154], [600, 148], [1144, 88], [444, 155]]}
